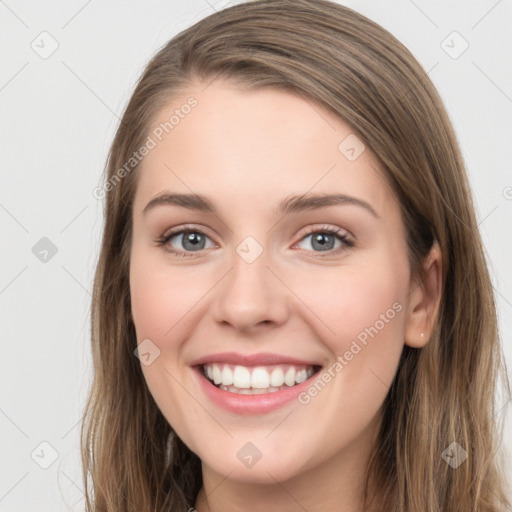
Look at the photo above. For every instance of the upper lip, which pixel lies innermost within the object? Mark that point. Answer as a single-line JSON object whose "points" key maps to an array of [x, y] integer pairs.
{"points": [[261, 359]]}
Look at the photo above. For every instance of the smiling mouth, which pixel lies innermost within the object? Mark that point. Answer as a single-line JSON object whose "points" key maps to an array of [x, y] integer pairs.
{"points": [[257, 380]]}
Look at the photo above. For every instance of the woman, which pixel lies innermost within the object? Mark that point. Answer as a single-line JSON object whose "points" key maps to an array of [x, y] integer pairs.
{"points": [[292, 309]]}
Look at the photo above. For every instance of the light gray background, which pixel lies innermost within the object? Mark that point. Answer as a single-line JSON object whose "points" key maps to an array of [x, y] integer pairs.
{"points": [[58, 118]]}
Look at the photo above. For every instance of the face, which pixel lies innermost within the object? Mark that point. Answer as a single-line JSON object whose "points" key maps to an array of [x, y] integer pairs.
{"points": [[269, 282]]}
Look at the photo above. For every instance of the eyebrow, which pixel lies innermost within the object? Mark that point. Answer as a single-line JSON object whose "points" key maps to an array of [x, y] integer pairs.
{"points": [[294, 203]]}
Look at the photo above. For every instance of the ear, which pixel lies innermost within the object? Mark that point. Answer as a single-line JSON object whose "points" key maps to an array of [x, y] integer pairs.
{"points": [[424, 301]]}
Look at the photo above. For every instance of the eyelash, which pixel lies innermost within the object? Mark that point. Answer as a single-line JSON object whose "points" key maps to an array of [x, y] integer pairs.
{"points": [[344, 239]]}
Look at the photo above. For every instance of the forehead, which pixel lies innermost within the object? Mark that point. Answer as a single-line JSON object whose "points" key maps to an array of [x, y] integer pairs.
{"points": [[243, 146]]}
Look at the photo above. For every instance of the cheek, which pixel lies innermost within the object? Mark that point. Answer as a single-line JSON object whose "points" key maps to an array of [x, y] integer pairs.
{"points": [[161, 297], [364, 311], [352, 302], [161, 300]]}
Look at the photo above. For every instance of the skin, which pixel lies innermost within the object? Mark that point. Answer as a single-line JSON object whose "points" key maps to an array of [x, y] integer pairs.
{"points": [[246, 151]]}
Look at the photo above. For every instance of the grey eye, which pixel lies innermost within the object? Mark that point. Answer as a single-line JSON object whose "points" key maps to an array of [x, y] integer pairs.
{"points": [[321, 241], [190, 240]]}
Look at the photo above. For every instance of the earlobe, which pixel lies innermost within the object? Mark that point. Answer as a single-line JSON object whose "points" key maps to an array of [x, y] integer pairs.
{"points": [[424, 300]]}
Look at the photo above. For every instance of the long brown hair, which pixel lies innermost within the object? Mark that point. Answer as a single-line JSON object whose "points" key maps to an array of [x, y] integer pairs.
{"points": [[442, 393]]}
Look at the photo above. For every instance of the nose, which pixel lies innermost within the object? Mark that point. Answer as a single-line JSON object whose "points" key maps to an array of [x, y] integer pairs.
{"points": [[251, 296]]}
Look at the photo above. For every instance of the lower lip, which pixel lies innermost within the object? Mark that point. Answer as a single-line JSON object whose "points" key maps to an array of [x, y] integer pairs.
{"points": [[251, 404]]}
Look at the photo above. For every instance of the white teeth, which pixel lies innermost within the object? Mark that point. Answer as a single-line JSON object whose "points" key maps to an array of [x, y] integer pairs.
{"points": [[260, 378], [216, 374], [231, 389], [256, 380], [289, 377], [251, 391], [301, 376], [227, 376], [277, 377], [241, 377]]}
